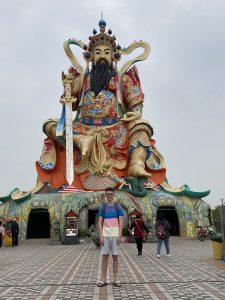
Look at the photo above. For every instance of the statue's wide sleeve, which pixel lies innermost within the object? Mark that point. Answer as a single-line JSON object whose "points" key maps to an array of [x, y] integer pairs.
{"points": [[131, 88]]}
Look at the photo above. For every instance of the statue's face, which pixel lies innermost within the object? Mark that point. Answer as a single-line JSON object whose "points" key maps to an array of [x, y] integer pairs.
{"points": [[102, 52]]}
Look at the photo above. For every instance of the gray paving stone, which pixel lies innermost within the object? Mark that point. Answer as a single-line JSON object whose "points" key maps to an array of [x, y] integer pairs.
{"points": [[71, 272]]}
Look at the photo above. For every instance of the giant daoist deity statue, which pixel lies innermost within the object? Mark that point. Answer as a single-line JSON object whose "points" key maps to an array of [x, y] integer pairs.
{"points": [[108, 143]]}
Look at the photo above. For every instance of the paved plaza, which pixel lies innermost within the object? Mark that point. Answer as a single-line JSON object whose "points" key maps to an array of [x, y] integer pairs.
{"points": [[47, 272]]}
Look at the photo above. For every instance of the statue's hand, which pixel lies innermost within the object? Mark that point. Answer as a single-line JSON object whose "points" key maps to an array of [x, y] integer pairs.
{"points": [[131, 116], [76, 85]]}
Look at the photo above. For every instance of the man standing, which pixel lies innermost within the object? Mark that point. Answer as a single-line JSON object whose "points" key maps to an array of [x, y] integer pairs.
{"points": [[110, 226], [15, 232], [2, 231]]}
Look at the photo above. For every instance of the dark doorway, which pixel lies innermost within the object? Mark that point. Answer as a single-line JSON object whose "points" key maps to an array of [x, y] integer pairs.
{"points": [[92, 217], [38, 224], [209, 217], [172, 217]]}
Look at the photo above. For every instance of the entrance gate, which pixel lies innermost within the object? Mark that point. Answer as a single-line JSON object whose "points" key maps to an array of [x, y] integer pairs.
{"points": [[171, 216], [92, 217], [38, 224]]}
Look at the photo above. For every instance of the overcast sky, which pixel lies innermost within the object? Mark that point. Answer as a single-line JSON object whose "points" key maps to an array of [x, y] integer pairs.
{"points": [[183, 80]]}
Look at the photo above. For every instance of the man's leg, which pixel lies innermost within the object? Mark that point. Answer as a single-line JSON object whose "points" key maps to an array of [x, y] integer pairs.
{"points": [[159, 245], [13, 239], [115, 258], [105, 260], [136, 239], [105, 250], [139, 244], [166, 242], [115, 266], [16, 239]]}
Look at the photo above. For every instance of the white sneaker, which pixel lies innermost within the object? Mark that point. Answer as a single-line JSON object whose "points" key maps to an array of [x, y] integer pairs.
{"points": [[167, 254], [158, 255]]}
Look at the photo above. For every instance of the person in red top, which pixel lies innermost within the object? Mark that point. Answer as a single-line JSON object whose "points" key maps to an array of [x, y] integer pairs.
{"points": [[139, 227]]}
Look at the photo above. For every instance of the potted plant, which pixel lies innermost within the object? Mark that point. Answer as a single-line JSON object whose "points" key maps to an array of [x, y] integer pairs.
{"points": [[217, 247]]}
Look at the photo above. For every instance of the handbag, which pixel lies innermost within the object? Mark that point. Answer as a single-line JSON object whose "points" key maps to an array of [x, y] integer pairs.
{"points": [[142, 233]]}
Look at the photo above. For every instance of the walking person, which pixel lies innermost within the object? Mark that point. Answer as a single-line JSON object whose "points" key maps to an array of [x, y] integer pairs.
{"points": [[2, 233], [110, 225], [139, 227], [15, 232], [162, 227]]}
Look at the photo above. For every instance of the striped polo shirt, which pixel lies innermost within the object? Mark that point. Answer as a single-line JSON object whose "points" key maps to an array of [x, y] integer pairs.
{"points": [[110, 223]]}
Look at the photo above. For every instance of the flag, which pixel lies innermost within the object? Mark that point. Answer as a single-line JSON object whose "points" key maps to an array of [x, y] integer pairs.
{"points": [[151, 185], [72, 189]]}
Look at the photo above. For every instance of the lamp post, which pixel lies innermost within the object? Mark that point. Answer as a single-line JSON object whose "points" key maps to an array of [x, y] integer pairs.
{"points": [[222, 218]]}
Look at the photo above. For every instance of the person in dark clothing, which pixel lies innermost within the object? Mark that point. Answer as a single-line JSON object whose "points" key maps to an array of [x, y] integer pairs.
{"points": [[162, 227], [2, 232], [14, 232], [139, 227]]}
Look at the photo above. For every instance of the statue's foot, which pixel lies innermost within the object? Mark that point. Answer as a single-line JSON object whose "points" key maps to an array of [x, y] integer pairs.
{"points": [[137, 170], [48, 156]]}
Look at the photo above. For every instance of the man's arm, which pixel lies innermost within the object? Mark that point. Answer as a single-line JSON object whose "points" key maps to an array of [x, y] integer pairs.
{"points": [[145, 228], [100, 230], [120, 229]]}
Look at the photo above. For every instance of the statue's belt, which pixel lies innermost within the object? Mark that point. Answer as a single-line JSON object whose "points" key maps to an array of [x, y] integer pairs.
{"points": [[102, 122]]}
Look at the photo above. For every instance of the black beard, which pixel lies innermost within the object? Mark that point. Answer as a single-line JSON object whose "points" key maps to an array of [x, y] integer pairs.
{"points": [[100, 76]]}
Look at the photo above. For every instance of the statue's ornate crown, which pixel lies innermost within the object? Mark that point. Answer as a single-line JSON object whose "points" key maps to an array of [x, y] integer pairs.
{"points": [[102, 38]]}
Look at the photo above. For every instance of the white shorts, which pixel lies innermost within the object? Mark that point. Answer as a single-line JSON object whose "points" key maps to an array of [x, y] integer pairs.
{"points": [[110, 244]]}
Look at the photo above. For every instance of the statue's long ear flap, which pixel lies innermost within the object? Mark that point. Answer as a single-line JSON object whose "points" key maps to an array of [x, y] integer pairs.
{"points": [[116, 56], [125, 51], [87, 56]]}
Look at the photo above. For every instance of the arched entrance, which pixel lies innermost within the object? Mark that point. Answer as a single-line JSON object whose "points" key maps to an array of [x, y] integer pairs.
{"points": [[171, 216], [38, 224], [92, 217]]}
